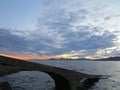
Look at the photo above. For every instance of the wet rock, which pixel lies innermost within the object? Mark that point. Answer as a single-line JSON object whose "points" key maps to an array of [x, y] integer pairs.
{"points": [[5, 86], [87, 83]]}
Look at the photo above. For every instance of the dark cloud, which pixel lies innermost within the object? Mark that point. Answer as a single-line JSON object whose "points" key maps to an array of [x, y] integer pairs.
{"points": [[12, 42], [60, 30], [75, 37]]}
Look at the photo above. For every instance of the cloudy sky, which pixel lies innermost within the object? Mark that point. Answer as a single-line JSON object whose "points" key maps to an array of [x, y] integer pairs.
{"points": [[60, 28]]}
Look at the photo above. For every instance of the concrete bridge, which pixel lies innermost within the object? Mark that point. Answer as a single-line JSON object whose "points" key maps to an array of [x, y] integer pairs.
{"points": [[64, 79]]}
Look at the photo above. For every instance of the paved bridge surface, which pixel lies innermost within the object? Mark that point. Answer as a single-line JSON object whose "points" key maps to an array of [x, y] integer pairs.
{"points": [[64, 79]]}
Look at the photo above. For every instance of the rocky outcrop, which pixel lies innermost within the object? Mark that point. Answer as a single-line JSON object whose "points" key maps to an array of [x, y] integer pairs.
{"points": [[5, 86]]}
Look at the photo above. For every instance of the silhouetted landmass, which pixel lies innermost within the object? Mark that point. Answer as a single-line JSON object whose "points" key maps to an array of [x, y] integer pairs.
{"points": [[110, 59], [81, 59], [84, 59]]}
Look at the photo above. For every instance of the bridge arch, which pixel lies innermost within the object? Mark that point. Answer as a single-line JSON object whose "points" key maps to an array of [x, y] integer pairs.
{"points": [[61, 83], [64, 79]]}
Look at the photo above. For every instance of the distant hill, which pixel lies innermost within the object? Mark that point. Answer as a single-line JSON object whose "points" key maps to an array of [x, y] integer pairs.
{"points": [[110, 59], [67, 59]]}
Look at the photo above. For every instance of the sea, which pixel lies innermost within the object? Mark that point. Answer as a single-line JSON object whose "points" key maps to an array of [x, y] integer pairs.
{"points": [[35, 80]]}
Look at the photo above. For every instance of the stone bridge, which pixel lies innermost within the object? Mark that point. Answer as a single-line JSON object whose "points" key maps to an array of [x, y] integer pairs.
{"points": [[64, 79]]}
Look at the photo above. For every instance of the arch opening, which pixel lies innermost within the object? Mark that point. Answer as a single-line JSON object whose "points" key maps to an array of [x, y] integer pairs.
{"points": [[41, 80], [30, 80], [61, 83]]}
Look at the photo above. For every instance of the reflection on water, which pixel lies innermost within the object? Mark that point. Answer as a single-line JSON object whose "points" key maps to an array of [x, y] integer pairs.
{"points": [[30, 80], [41, 81]]}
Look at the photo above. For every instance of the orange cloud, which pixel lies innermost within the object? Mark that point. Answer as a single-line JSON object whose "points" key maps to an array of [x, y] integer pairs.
{"points": [[27, 56], [17, 57], [66, 56]]}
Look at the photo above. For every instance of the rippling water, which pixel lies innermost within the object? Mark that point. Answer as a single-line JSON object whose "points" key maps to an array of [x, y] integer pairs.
{"points": [[40, 81]]}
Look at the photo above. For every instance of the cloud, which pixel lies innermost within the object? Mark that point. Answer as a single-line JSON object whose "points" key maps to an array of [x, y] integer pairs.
{"points": [[12, 42], [70, 28]]}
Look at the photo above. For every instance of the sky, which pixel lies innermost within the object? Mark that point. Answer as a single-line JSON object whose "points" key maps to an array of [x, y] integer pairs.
{"points": [[31, 29]]}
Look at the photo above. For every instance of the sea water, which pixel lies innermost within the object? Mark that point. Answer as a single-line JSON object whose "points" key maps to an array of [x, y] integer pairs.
{"points": [[34, 80]]}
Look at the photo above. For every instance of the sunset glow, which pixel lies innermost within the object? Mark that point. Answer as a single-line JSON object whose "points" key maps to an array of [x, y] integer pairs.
{"points": [[17, 57], [67, 56], [41, 39], [73, 29], [89, 57], [27, 57]]}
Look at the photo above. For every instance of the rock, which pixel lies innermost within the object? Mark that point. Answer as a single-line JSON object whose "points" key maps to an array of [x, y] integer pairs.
{"points": [[87, 83], [5, 86]]}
